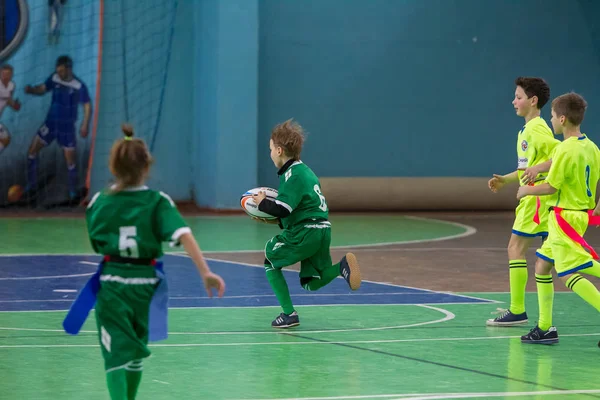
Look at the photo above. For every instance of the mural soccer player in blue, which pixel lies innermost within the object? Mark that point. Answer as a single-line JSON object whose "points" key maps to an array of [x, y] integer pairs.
{"points": [[68, 92]]}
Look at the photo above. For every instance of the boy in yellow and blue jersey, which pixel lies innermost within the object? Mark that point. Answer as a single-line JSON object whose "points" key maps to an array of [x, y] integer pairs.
{"points": [[571, 190], [535, 143]]}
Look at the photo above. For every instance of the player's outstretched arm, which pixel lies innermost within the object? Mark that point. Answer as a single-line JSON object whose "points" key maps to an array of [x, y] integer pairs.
{"points": [[533, 171], [498, 181], [211, 280], [540, 190], [39, 89]]}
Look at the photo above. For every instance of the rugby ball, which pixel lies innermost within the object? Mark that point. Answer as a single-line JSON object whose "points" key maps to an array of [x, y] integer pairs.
{"points": [[250, 207]]}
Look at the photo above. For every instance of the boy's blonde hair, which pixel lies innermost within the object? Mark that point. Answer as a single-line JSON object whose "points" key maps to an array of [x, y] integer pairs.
{"points": [[289, 135]]}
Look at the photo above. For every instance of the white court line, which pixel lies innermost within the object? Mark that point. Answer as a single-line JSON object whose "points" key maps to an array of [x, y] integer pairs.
{"points": [[53, 255], [469, 230], [428, 249], [255, 296], [30, 278], [447, 317], [374, 396], [498, 394], [184, 255], [296, 343], [38, 301], [434, 396], [319, 295], [300, 307], [488, 301]]}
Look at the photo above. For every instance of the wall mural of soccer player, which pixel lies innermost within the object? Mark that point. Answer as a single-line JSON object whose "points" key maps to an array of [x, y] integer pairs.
{"points": [[68, 91]]}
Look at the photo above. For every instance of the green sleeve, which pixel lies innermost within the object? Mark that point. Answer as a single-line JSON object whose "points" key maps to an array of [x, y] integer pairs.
{"points": [[170, 223]]}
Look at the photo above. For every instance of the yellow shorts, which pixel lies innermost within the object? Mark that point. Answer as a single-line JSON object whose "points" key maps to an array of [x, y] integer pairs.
{"points": [[566, 255], [524, 225]]}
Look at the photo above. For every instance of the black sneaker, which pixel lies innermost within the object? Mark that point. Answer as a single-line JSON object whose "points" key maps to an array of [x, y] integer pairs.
{"points": [[507, 318], [350, 270], [286, 321], [539, 336]]}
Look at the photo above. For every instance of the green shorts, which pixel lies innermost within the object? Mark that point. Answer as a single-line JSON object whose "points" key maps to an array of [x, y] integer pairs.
{"points": [[524, 224], [122, 313], [566, 255], [307, 244]]}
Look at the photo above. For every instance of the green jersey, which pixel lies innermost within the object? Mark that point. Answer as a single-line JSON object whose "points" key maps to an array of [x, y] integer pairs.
{"points": [[300, 192], [133, 223]]}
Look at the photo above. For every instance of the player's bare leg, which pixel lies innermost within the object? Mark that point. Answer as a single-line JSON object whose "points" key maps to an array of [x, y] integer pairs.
{"points": [[32, 164], [515, 315], [71, 159], [583, 287]]}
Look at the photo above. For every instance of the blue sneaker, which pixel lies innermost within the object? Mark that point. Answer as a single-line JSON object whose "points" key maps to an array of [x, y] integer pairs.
{"points": [[350, 270], [286, 320], [539, 336], [507, 318]]}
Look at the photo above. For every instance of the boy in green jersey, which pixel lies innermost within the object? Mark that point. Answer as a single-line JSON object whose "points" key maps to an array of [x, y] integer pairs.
{"points": [[303, 214]]}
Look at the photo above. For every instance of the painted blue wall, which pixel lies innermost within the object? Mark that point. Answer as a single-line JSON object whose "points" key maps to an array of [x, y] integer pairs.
{"points": [[224, 144], [416, 88], [384, 87], [197, 89], [146, 79]]}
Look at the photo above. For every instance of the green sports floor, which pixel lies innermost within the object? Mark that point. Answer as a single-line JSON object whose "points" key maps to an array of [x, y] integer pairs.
{"points": [[414, 330]]}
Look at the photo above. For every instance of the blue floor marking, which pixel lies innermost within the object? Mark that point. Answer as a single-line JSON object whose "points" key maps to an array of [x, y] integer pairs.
{"points": [[246, 286]]}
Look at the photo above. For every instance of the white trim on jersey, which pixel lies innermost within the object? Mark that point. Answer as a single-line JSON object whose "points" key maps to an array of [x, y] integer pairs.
{"points": [[94, 199], [166, 196], [177, 234], [132, 189], [73, 83], [129, 281], [286, 206]]}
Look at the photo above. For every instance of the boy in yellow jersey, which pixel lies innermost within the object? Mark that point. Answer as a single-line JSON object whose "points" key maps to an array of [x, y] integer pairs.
{"points": [[535, 143], [571, 190]]}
